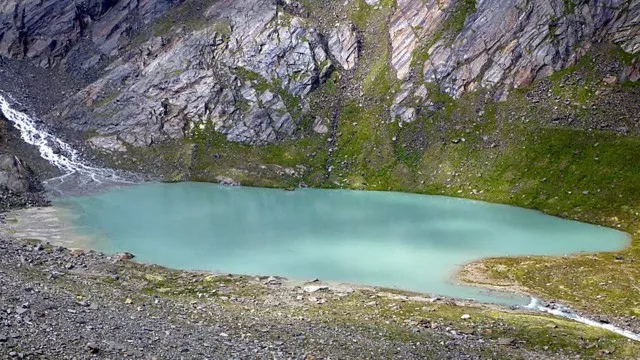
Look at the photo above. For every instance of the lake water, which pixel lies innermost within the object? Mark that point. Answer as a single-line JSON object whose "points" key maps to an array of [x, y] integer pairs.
{"points": [[404, 241]]}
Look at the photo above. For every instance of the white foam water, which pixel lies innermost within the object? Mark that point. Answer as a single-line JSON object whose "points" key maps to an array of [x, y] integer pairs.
{"points": [[57, 152], [565, 312]]}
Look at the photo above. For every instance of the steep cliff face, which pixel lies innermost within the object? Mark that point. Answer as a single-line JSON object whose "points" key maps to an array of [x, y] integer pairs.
{"points": [[258, 72], [516, 42], [233, 75], [48, 31]]}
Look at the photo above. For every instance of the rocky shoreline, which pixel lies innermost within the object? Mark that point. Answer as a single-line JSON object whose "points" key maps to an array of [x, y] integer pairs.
{"points": [[68, 303]]}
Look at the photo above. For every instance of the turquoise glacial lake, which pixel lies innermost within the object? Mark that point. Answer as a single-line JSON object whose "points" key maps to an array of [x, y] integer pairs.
{"points": [[404, 241]]}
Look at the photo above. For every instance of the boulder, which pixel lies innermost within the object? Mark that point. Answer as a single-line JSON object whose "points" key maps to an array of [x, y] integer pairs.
{"points": [[14, 175], [226, 181], [344, 46], [123, 256]]}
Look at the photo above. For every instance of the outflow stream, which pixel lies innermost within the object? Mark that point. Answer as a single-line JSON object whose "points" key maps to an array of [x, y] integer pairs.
{"points": [[77, 175], [567, 313]]}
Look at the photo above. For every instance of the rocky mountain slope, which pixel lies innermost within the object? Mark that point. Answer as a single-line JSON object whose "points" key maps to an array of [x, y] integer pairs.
{"points": [[251, 70], [531, 103]]}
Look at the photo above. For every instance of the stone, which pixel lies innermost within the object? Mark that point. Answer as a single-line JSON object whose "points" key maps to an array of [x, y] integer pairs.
{"points": [[505, 341], [344, 46], [226, 181], [21, 310], [107, 143], [465, 317], [631, 72], [314, 288], [611, 79], [124, 256], [273, 281], [92, 348], [320, 127], [76, 252], [14, 176]]}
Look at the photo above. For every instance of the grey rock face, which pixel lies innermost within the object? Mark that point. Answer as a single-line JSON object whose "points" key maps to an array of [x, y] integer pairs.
{"points": [[226, 77], [277, 46], [107, 143], [248, 67], [411, 22], [510, 43], [14, 176], [343, 45], [46, 30]]}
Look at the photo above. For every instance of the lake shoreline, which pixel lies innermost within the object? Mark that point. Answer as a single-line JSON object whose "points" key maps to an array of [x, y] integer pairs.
{"points": [[429, 233], [482, 279], [474, 277], [128, 300]]}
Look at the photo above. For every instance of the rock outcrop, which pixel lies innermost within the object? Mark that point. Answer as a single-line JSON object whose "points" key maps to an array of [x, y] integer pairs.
{"points": [[235, 75], [47, 30], [344, 46], [412, 21], [18, 185], [14, 176], [248, 68], [511, 43]]}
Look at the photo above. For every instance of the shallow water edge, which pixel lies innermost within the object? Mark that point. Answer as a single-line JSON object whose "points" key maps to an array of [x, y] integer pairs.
{"points": [[53, 219], [355, 231]]}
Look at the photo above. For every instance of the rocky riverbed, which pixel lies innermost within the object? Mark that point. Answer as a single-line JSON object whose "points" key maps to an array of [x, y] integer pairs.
{"points": [[63, 303]]}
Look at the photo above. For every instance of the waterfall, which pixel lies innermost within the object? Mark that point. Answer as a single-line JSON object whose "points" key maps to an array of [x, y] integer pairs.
{"points": [[567, 313], [57, 152]]}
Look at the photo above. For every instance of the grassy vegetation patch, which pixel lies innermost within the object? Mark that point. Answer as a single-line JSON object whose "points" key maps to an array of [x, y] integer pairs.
{"points": [[361, 12], [189, 15], [411, 321], [215, 156], [457, 18]]}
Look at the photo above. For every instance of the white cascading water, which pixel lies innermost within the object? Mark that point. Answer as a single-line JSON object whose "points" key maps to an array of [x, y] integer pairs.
{"points": [[565, 312], [57, 152]]}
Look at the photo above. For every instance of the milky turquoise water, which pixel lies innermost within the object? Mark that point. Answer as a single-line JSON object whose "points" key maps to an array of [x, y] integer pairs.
{"points": [[404, 241]]}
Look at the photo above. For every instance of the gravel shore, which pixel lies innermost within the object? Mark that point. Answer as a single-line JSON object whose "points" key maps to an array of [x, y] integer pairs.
{"points": [[58, 303]]}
